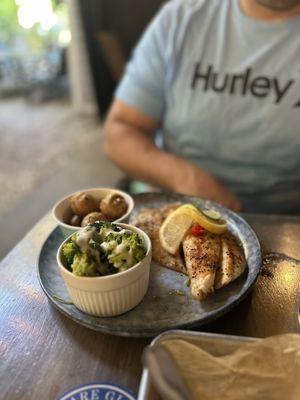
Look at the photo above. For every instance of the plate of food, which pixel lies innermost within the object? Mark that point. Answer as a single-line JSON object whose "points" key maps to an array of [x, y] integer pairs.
{"points": [[205, 260]]}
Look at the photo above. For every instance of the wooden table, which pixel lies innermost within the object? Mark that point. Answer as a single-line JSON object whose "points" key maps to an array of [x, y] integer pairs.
{"points": [[43, 353]]}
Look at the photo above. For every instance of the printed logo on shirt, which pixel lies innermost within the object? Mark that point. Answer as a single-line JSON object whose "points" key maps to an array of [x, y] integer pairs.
{"points": [[241, 84]]}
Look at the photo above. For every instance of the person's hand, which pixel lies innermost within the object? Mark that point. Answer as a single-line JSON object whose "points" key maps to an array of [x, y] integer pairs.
{"points": [[196, 182]]}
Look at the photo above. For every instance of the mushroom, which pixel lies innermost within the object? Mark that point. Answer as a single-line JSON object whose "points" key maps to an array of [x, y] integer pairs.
{"points": [[113, 206], [83, 203], [93, 217], [75, 220]]}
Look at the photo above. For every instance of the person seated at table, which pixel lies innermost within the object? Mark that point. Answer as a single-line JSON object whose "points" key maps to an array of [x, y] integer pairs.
{"points": [[221, 81]]}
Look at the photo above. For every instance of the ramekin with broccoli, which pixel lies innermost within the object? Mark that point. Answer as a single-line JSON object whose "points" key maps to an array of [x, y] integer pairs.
{"points": [[102, 249]]}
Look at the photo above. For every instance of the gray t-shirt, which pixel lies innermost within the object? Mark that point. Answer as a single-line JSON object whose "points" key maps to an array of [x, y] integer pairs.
{"points": [[227, 90]]}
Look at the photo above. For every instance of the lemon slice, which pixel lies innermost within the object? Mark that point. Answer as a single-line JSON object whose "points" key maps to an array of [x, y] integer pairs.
{"points": [[178, 222], [173, 230], [214, 226]]}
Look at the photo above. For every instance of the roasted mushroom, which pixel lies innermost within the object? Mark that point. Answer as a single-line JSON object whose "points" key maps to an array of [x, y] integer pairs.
{"points": [[113, 206], [93, 217], [75, 220], [83, 203]]}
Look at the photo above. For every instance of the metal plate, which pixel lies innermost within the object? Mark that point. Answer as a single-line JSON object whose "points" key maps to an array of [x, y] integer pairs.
{"points": [[168, 303]]}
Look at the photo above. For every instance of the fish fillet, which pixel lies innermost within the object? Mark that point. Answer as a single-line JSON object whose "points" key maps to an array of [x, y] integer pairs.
{"points": [[232, 261], [150, 220], [201, 254]]}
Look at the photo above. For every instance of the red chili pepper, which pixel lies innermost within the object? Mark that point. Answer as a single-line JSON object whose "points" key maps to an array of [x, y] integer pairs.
{"points": [[197, 230]]}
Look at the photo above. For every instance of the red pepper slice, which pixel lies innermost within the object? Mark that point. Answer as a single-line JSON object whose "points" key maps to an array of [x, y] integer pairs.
{"points": [[197, 230]]}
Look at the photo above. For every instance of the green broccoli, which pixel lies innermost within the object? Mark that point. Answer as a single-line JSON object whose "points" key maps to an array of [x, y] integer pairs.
{"points": [[110, 250], [83, 265], [104, 228], [107, 229], [69, 250], [127, 251]]}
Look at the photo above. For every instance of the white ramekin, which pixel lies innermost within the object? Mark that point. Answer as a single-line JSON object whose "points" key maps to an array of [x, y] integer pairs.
{"points": [[62, 211], [111, 295]]}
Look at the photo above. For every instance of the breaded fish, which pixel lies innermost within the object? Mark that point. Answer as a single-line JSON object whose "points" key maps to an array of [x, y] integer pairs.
{"points": [[202, 254], [232, 261], [150, 220]]}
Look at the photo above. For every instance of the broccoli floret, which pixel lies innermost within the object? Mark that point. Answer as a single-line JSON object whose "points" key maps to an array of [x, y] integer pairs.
{"points": [[98, 225], [69, 250], [74, 238], [83, 265], [127, 251], [110, 250], [104, 227], [136, 244], [106, 269]]}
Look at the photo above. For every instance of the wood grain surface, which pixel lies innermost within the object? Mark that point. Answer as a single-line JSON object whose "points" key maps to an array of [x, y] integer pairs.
{"points": [[43, 353]]}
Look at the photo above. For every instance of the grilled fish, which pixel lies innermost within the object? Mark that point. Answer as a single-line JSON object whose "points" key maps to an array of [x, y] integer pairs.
{"points": [[150, 220], [211, 261], [202, 254], [232, 261]]}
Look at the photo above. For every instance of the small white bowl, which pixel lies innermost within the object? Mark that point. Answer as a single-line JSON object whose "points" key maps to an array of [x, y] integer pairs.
{"points": [[107, 296], [62, 211]]}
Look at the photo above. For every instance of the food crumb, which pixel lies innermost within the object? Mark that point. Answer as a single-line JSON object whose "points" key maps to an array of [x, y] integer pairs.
{"points": [[177, 292], [187, 282]]}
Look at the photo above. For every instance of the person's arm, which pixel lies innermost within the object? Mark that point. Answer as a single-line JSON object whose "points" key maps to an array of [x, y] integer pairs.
{"points": [[129, 143]]}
